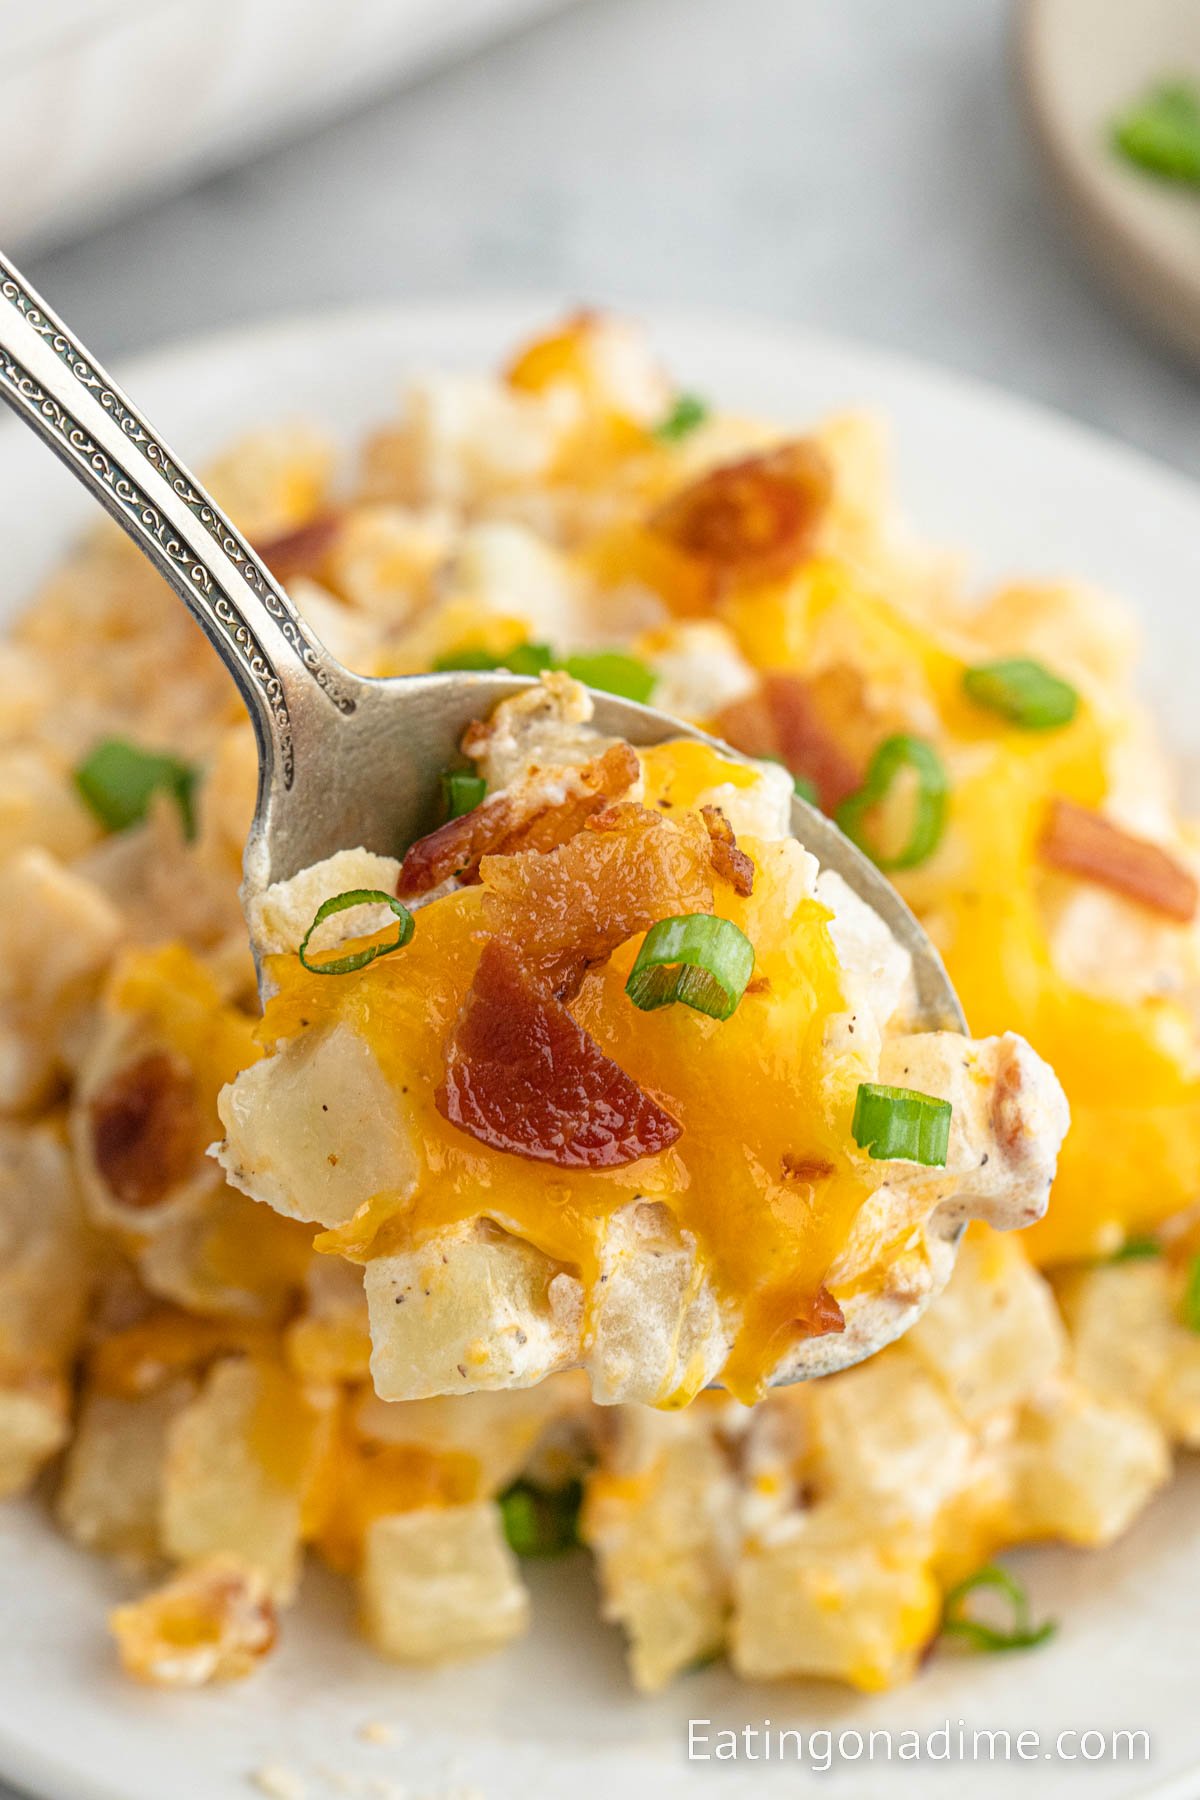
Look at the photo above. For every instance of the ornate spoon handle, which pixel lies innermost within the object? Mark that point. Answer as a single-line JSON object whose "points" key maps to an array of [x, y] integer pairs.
{"points": [[58, 388]]}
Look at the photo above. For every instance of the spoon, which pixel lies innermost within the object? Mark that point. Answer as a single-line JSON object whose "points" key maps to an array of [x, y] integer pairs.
{"points": [[345, 761]]}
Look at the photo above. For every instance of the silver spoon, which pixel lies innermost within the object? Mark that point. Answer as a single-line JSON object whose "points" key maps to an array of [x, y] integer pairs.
{"points": [[344, 760]]}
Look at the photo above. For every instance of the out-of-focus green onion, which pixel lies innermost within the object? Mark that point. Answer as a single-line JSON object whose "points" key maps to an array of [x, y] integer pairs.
{"points": [[806, 789], [119, 779], [686, 414], [1136, 1249], [1191, 1297], [696, 958], [613, 673], [929, 812], [466, 658], [1022, 691], [1161, 132], [358, 959], [1023, 1634], [894, 1124], [541, 1521], [462, 790], [528, 659]]}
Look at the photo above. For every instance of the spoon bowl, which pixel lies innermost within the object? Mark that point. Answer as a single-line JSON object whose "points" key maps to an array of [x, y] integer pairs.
{"points": [[347, 761]]}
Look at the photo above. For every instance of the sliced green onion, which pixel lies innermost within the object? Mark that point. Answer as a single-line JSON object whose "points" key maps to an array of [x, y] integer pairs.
{"points": [[894, 1124], [522, 659], [1136, 1249], [528, 659], [613, 673], [929, 813], [466, 658], [696, 958], [806, 789], [1023, 1633], [686, 414], [1191, 1297], [118, 781], [541, 1521], [1161, 132], [462, 790], [346, 965], [1022, 691]]}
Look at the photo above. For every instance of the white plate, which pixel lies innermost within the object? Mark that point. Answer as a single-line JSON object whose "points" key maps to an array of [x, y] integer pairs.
{"points": [[553, 1716]]}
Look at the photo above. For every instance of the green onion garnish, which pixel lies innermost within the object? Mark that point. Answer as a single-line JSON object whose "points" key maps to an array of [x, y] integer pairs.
{"points": [[696, 958], [1191, 1297], [929, 813], [896, 1124], [528, 659], [1022, 1635], [1136, 1249], [461, 791], [466, 658], [118, 781], [346, 965], [541, 1521], [1161, 132], [1022, 691], [687, 412], [613, 673]]}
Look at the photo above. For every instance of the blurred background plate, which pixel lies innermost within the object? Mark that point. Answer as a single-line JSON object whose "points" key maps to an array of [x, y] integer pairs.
{"points": [[104, 102], [1082, 62], [1018, 490]]}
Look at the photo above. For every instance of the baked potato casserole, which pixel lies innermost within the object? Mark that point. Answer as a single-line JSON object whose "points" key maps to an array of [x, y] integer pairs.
{"points": [[602, 1092]]}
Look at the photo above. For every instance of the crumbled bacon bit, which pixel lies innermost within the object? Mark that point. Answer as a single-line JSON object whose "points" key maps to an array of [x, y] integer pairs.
{"points": [[571, 907], [795, 719], [755, 519], [523, 1077], [524, 820], [146, 1129], [822, 1316], [1085, 843], [805, 1168], [302, 552], [730, 863]]}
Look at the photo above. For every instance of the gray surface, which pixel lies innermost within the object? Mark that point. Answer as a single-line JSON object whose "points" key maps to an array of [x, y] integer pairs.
{"points": [[857, 165], [854, 164]]}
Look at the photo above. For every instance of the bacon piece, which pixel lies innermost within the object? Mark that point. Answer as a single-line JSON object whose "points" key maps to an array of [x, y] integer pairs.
{"points": [[1085, 843], [756, 519], [805, 1168], [527, 819], [822, 1316], [730, 863], [792, 718], [571, 907], [524, 1078], [301, 552], [146, 1129]]}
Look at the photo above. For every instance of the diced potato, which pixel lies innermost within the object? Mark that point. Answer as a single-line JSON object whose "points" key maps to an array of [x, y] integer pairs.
{"points": [[476, 1301], [111, 1495], [889, 1446], [659, 1517], [243, 1462], [1129, 1342], [441, 1582], [40, 806], [497, 1433], [656, 1328], [829, 1597], [34, 1424], [315, 1131], [994, 1335], [275, 480], [46, 1252], [1084, 1468], [331, 1338], [214, 1621]]}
